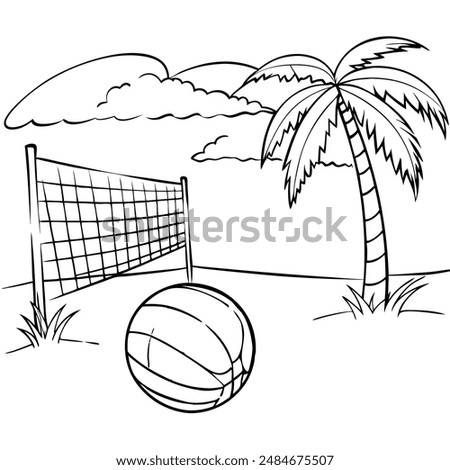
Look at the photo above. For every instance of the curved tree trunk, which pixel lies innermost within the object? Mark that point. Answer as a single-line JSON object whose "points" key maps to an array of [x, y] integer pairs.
{"points": [[376, 270]]}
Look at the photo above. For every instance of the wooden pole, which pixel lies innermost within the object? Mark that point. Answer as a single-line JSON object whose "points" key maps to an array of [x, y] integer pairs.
{"points": [[187, 229], [36, 251]]}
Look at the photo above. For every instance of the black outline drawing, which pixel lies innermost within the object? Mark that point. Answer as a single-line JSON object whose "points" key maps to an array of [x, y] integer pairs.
{"points": [[214, 64], [177, 192], [166, 79], [361, 97], [176, 220], [351, 95], [162, 200], [244, 374], [61, 73]]}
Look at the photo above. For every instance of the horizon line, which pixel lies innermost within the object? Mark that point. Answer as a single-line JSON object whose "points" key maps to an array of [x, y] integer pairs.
{"points": [[257, 273]]}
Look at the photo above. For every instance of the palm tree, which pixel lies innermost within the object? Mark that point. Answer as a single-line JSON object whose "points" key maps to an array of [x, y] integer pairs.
{"points": [[369, 101]]}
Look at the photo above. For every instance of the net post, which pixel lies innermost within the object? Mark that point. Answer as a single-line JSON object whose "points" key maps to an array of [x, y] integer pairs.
{"points": [[36, 250], [187, 228]]}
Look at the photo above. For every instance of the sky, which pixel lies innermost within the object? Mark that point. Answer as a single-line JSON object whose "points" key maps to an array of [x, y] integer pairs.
{"points": [[186, 34]]}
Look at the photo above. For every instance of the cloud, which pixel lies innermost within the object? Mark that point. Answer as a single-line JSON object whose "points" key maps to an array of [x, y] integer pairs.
{"points": [[224, 76], [241, 140], [123, 86], [156, 98], [72, 95]]}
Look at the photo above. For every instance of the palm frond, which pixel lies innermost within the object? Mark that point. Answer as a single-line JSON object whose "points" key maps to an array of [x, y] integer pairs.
{"points": [[366, 53], [309, 142], [299, 67], [404, 88], [286, 119], [388, 131]]}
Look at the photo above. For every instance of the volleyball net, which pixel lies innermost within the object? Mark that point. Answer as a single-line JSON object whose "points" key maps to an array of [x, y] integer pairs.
{"points": [[90, 225]]}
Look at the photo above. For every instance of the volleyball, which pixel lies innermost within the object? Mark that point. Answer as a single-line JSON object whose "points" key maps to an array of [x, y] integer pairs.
{"points": [[190, 347]]}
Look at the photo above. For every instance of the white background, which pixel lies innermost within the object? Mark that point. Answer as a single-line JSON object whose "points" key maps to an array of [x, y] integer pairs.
{"points": [[374, 395]]}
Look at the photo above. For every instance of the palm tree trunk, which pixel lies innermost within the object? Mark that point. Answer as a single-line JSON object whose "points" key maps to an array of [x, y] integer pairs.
{"points": [[376, 270]]}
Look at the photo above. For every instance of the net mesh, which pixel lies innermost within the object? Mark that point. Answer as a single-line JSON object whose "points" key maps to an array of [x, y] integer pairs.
{"points": [[95, 225]]}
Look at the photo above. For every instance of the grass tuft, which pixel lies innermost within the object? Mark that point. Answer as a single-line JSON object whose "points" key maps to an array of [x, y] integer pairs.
{"points": [[40, 331], [391, 308]]}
